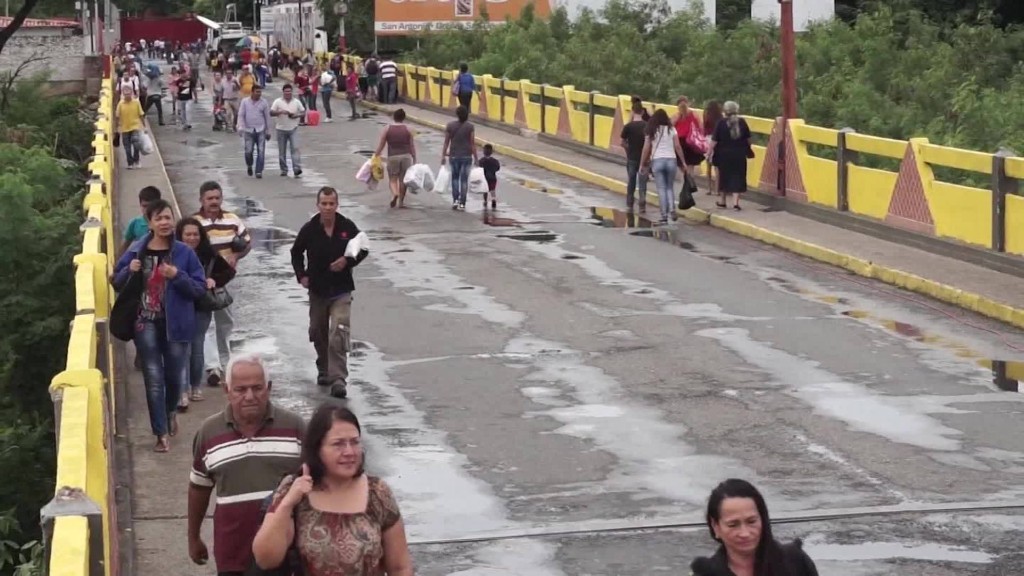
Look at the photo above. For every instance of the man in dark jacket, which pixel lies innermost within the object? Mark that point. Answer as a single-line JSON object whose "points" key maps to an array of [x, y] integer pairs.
{"points": [[323, 255]]}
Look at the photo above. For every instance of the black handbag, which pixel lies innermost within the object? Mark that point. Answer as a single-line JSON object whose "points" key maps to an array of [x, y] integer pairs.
{"points": [[686, 200], [292, 564], [214, 299], [125, 312]]}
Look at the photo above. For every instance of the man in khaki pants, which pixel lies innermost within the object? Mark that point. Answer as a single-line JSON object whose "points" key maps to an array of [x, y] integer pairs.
{"points": [[326, 250]]}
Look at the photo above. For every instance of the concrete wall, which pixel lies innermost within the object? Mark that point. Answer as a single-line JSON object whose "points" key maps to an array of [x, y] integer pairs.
{"points": [[62, 55]]}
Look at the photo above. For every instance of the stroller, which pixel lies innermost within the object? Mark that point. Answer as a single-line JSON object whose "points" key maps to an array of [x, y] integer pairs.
{"points": [[220, 116]]}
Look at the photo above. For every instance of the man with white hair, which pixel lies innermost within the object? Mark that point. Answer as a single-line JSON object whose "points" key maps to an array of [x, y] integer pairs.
{"points": [[243, 452]]}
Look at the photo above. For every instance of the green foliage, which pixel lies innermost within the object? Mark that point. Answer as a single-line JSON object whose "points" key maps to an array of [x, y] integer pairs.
{"points": [[44, 143], [18, 559], [894, 72]]}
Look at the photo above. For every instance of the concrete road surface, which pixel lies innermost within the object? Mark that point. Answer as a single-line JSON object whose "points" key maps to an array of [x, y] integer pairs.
{"points": [[554, 393]]}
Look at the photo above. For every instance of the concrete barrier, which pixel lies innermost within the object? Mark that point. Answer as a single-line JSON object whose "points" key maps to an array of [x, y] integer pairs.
{"points": [[80, 523]]}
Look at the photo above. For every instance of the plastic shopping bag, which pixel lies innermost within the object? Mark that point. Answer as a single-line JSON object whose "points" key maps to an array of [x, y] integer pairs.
{"points": [[443, 182], [376, 168], [419, 177], [477, 181], [365, 174], [145, 143]]}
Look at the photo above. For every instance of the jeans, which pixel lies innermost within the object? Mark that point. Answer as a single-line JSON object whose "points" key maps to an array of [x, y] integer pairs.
{"points": [[352, 102], [465, 99], [165, 370], [389, 90], [289, 139], [460, 167], [664, 170], [183, 106], [155, 100], [197, 360], [634, 179], [130, 141], [326, 96], [218, 350], [309, 99], [259, 141]]}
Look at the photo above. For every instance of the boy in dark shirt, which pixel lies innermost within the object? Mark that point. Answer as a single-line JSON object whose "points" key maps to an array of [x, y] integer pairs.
{"points": [[491, 166], [633, 137]]}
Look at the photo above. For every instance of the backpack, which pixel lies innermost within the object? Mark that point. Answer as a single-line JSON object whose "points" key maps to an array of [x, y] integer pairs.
{"points": [[457, 85], [372, 67]]}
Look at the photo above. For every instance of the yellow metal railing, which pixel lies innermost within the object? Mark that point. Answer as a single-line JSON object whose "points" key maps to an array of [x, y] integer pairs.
{"points": [[80, 523]]}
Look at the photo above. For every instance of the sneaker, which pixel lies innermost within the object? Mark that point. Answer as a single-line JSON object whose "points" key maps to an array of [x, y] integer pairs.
{"points": [[248, 170], [455, 205], [494, 204], [298, 173], [323, 380], [283, 174], [214, 377], [462, 205], [328, 120], [339, 390], [259, 174]]}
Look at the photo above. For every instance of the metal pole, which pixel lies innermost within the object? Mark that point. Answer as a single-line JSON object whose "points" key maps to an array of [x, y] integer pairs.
{"points": [[789, 109], [302, 47]]}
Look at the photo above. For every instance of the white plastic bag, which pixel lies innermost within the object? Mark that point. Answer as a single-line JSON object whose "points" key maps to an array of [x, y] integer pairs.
{"points": [[419, 177], [477, 181], [145, 143], [365, 174], [443, 182]]}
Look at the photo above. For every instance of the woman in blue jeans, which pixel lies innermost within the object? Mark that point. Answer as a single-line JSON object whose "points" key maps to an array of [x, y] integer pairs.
{"points": [[172, 281], [218, 274], [661, 158], [460, 147]]}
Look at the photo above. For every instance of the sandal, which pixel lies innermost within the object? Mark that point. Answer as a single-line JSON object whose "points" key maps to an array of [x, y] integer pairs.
{"points": [[394, 201], [196, 396], [737, 207], [162, 445], [720, 204], [173, 425]]}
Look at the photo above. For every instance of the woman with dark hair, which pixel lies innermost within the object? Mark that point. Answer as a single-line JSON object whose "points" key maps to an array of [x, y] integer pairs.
{"points": [[737, 517], [460, 146], [712, 114], [661, 155], [401, 155], [218, 274], [339, 519], [171, 280]]}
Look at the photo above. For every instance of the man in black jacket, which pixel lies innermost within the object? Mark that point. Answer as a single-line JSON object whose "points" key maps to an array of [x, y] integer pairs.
{"points": [[323, 255]]}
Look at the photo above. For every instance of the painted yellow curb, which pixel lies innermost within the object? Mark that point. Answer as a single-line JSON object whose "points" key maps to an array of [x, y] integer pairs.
{"points": [[943, 292]]}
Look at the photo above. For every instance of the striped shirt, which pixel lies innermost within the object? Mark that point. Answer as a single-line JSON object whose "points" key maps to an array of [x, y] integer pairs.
{"points": [[243, 471], [223, 230], [388, 69]]}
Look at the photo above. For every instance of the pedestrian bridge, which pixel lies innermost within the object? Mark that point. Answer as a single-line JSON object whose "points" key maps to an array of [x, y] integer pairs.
{"points": [[83, 536]]}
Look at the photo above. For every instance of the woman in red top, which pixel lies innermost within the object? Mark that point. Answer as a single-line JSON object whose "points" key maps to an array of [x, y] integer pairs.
{"points": [[691, 134], [302, 82]]}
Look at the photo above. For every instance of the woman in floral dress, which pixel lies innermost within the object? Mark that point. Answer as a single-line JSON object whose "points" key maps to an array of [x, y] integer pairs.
{"points": [[334, 518]]}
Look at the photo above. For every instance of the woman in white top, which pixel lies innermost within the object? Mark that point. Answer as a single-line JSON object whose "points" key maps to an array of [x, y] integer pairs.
{"points": [[661, 159]]}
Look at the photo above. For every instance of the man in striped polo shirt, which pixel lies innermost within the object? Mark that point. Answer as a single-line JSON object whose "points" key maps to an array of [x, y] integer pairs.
{"points": [[231, 239], [243, 452]]}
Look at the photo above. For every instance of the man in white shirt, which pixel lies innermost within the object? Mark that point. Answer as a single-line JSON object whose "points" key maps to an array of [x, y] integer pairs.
{"points": [[288, 110]]}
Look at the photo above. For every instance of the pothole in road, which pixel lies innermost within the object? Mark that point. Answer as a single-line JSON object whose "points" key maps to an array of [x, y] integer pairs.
{"points": [[615, 218], [491, 219], [532, 236]]}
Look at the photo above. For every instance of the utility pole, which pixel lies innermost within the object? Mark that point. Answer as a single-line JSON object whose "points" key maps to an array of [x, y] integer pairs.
{"points": [[302, 46], [789, 109]]}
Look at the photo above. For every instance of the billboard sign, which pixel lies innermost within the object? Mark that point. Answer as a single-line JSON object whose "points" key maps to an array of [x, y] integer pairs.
{"points": [[804, 11], [267, 20], [406, 17]]}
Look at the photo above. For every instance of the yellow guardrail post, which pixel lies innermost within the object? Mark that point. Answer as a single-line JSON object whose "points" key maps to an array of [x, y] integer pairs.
{"points": [[1002, 184]]}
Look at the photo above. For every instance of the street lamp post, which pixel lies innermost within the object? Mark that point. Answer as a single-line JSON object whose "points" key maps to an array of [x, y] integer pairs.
{"points": [[341, 10]]}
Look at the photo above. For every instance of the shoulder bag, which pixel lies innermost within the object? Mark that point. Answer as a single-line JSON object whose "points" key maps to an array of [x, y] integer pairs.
{"points": [[125, 312], [216, 298]]}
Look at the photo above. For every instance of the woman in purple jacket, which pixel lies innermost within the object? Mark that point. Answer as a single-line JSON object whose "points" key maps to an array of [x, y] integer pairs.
{"points": [[172, 281]]}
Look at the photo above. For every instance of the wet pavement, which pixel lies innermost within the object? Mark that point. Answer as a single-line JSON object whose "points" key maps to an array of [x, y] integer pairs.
{"points": [[555, 388]]}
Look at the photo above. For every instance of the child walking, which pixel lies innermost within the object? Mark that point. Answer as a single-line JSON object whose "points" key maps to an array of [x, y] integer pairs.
{"points": [[491, 166]]}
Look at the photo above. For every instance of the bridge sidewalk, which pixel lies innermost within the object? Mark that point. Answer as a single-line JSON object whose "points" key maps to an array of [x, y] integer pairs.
{"points": [[155, 533], [983, 290]]}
